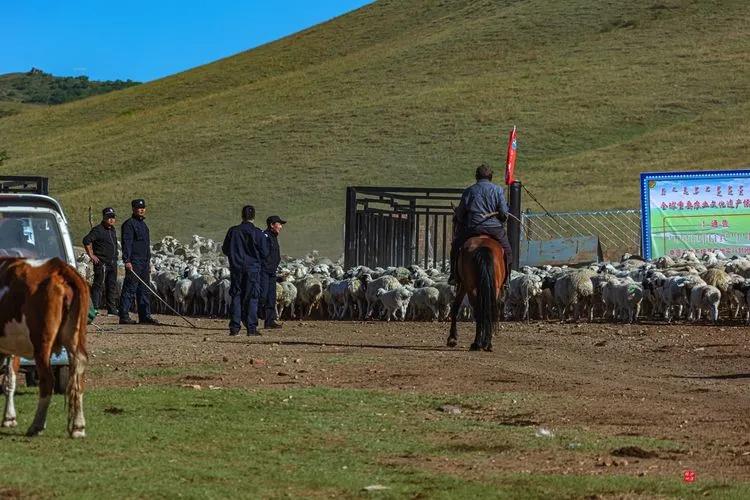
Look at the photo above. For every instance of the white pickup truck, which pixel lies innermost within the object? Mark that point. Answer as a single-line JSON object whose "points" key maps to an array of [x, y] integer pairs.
{"points": [[33, 225]]}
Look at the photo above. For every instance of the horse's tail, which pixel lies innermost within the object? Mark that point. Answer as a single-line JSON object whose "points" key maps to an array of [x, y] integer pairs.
{"points": [[487, 313]]}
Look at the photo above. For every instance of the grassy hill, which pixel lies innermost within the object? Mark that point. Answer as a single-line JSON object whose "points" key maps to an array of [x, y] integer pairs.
{"points": [[38, 87], [409, 93]]}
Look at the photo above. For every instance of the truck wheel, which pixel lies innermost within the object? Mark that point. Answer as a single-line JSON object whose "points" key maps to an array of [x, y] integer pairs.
{"points": [[61, 379], [31, 377]]}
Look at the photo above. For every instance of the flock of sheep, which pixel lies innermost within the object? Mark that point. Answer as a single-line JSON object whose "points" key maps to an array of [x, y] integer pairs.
{"points": [[194, 279]]}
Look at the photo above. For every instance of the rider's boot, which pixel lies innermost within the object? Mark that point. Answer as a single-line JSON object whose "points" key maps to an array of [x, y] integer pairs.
{"points": [[453, 263], [506, 282]]}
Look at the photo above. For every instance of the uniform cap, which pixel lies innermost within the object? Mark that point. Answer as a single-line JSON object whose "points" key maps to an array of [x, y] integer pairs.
{"points": [[139, 203], [108, 212], [274, 219]]}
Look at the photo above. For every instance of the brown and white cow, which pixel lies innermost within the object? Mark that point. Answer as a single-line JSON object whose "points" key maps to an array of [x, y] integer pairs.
{"points": [[43, 308]]}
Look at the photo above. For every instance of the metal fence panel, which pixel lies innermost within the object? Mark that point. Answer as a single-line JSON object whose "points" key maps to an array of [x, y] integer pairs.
{"points": [[619, 231]]}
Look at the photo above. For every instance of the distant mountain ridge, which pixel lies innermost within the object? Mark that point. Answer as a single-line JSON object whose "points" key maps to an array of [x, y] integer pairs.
{"points": [[413, 93], [38, 87]]}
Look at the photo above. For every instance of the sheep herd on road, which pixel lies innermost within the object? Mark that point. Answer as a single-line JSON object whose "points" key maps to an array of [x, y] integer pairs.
{"points": [[194, 279]]}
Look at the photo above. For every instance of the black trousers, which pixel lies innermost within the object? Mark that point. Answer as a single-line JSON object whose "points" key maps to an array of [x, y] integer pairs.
{"points": [[245, 293], [105, 280], [132, 289], [268, 297]]}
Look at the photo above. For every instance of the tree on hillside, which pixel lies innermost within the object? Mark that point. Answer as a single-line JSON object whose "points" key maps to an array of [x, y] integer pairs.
{"points": [[39, 87]]}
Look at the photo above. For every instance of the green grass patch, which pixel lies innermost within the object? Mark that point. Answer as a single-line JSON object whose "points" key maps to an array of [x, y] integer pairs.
{"points": [[164, 442]]}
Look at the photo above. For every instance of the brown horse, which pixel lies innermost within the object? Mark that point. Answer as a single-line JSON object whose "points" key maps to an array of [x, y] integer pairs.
{"points": [[480, 275]]}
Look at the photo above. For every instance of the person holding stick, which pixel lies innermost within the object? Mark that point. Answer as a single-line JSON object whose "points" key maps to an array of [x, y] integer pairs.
{"points": [[136, 255]]}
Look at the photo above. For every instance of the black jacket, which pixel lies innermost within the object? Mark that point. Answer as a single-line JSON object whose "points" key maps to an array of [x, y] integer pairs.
{"points": [[136, 241], [246, 246], [271, 264], [103, 241]]}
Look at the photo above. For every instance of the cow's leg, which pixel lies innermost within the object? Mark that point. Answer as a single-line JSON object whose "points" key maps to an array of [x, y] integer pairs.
{"points": [[9, 418], [44, 370], [76, 420]]}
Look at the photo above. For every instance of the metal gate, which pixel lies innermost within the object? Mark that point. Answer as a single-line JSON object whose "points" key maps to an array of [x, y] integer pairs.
{"points": [[397, 226]]}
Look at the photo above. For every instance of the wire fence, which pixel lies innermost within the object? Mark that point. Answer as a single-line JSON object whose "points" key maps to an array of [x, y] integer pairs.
{"points": [[619, 231]]}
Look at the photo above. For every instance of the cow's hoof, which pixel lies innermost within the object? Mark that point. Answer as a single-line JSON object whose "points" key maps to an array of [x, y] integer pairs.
{"points": [[78, 433], [10, 422], [34, 431], [474, 347], [452, 341]]}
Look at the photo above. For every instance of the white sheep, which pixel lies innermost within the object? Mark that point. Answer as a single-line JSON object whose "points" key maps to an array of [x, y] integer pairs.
{"points": [[337, 296], [355, 297], [396, 300], [574, 289], [425, 301], [705, 297], [522, 288], [309, 294], [371, 290], [286, 299]]}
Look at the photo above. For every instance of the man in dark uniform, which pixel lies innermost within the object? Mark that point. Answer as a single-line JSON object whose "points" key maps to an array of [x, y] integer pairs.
{"points": [[136, 255], [482, 210], [101, 247], [270, 265], [246, 248]]}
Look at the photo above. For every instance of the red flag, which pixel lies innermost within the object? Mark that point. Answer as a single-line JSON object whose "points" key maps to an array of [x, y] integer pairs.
{"points": [[510, 160]]}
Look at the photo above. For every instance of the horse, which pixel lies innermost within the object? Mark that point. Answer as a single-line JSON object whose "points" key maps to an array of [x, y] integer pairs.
{"points": [[480, 275]]}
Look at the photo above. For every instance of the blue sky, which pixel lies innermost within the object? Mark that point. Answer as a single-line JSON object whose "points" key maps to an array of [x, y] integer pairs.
{"points": [[146, 40]]}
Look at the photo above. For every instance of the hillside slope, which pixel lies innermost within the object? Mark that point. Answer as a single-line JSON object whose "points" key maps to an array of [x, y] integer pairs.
{"points": [[409, 93]]}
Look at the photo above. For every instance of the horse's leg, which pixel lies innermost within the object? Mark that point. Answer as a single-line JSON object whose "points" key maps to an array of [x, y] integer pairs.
{"points": [[477, 337], [453, 336], [9, 419]]}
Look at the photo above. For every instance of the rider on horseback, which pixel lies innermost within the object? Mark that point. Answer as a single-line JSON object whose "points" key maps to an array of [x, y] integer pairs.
{"points": [[482, 210]]}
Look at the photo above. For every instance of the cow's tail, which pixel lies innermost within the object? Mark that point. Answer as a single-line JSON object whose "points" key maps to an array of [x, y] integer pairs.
{"points": [[74, 338]]}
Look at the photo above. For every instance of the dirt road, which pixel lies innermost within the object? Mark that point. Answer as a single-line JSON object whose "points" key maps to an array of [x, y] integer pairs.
{"points": [[685, 383]]}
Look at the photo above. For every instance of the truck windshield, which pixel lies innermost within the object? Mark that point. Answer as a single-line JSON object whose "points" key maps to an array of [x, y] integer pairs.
{"points": [[32, 235]]}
